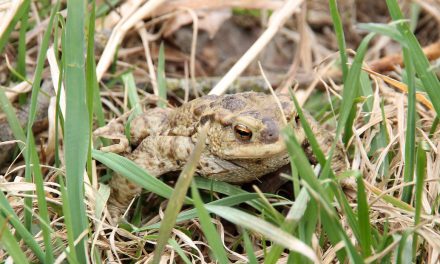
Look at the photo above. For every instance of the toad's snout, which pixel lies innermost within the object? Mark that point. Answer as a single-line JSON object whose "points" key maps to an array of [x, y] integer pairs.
{"points": [[270, 132]]}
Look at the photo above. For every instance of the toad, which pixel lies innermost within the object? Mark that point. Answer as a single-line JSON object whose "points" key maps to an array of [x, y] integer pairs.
{"points": [[243, 141]]}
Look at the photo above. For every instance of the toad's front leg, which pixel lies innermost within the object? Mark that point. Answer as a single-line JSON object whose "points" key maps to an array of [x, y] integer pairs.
{"points": [[114, 131], [150, 123], [157, 155]]}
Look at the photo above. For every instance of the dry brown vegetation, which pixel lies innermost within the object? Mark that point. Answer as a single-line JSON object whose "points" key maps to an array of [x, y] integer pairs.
{"points": [[296, 45]]}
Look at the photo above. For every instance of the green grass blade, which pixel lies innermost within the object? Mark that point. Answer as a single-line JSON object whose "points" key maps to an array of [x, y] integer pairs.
{"points": [[252, 259], [99, 112], [218, 186], [414, 15], [339, 30], [268, 230], [8, 242], [21, 230], [351, 88], [192, 213], [208, 228], [229, 189], [367, 91], [332, 224], [321, 159], [381, 141], [295, 180], [334, 189], [305, 170], [14, 124], [18, 133], [434, 127], [130, 86], [161, 79], [333, 233], [41, 199], [393, 200], [388, 30], [363, 218], [59, 119], [302, 163], [293, 217], [308, 132], [133, 99], [20, 12], [421, 64], [348, 130], [178, 197], [32, 112], [420, 180], [307, 227], [404, 250], [76, 133], [39, 69], [179, 251], [21, 56], [410, 136], [348, 211], [297, 211], [91, 81], [31, 152], [68, 220], [106, 7], [134, 173]]}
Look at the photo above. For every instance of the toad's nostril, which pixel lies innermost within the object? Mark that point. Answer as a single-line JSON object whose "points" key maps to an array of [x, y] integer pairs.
{"points": [[270, 132], [269, 137]]}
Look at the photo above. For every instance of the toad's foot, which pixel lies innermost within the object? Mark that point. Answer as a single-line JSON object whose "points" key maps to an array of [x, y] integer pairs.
{"points": [[114, 131]]}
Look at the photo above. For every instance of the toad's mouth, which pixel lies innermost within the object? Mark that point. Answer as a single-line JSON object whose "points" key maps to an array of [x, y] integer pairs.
{"points": [[253, 151]]}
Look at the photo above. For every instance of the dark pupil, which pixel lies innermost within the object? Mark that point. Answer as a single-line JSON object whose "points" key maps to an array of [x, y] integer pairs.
{"points": [[242, 133]]}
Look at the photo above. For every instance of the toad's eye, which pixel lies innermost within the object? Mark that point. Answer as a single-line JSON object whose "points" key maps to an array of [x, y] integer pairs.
{"points": [[242, 132]]}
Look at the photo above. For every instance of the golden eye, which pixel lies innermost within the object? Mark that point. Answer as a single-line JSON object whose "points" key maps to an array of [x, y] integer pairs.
{"points": [[242, 132]]}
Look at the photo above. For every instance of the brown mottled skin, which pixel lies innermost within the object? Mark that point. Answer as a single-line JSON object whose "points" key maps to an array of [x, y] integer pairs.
{"points": [[244, 140]]}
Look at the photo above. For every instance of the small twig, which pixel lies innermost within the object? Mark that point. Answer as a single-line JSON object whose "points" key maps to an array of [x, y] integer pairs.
{"points": [[276, 21], [13, 92], [217, 4], [192, 61], [7, 19], [145, 41], [401, 87], [388, 63], [273, 93], [119, 32], [302, 53]]}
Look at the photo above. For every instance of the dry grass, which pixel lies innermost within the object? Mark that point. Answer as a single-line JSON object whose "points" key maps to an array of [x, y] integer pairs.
{"points": [[131, 34]]}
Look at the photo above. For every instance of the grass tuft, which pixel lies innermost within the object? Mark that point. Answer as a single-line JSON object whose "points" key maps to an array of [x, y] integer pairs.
{"points": [[76, 132], [373, 212]]}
